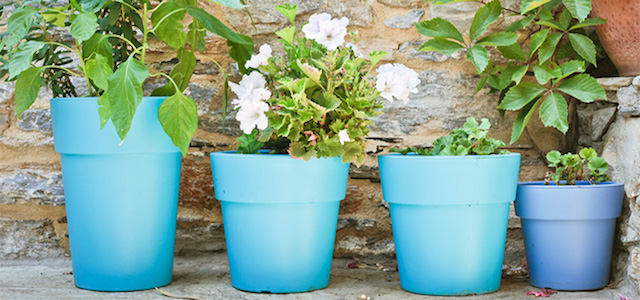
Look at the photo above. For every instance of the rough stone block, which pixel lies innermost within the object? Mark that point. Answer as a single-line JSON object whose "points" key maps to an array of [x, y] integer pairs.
{"points": [[191, 237], [398, 3], [405, 21], [629, 101], [36, 120], [31, 185], [28, 239]]}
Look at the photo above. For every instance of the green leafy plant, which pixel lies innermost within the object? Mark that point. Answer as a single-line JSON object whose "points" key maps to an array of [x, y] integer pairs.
{"points": [[570, 168], [470, 139], [555, 49], [317, 100], [111, 39]]}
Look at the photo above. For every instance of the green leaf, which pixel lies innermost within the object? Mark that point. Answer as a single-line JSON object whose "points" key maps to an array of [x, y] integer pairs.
{"points": [[98, 44], [486, 15], [512, 52], [166, 19], [550, 23], [241, 53], [521, 94], [580, 9], [439, 27], [20, 23], [84, 26], [248, 143], [288, 11], [92, 6], [565, 19], [522, 120], [27, 89], [230, 3], [178, 115], [441, 45], [517, 72], [588, 153], [570, 67], [554, 156], [598, 164], [479, 56], [548, 47], [55, 17], [498, 39], [522, 23], [554, 112], [21, 59], [481, 83], [584, 47], [214, 25], [529, 5], [536, 41], [99, 70], [376, 56], [583, 87], [287, 34], [104, 111], [181, 74], [544, 73], [587, 23], [125, 93], [196, 36]]}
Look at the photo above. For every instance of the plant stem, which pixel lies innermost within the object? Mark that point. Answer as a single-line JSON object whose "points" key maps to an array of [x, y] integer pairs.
{"points": [[145, 31], [122, 38], [175, 86], [129, 6], [62, 68], [84, 67]]}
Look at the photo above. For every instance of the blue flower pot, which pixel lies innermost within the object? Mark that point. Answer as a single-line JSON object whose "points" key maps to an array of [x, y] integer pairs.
{"points": [[121, 200], [280, 216], [568, 232], [449, 216]]}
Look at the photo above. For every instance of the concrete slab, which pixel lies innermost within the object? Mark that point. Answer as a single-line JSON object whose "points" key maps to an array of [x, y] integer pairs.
{"points": [[207, 277]]}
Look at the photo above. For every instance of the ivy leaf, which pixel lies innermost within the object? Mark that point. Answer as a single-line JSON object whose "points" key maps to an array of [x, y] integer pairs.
{"points": [[479, 56], [587, 23], [512, 52], [441, 45], [99, 44], [522, 23], [521, 94], [536, 41], [104, 111], [438, 27], [178, 115], [288, 11], [529, 5], [20, 23], [554, 112], [486, 15], [570, 67], [27, 89], [167, 23], [584, 47], [181, 74], [498, 39], [550, 23], [99, 70], [21, 59], [544, 73], [548, 47], [522, 120], [565, 20], [84, 26], [583, 87], [125, 93], [580, 9]]}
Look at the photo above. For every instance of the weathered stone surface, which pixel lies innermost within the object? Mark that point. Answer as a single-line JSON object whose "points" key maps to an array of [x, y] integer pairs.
{"points": [[355, 223], [31, 185], [410, 49], [614, 83], [28, 239], [196, 184], [629, 101], [201, 93], [593, 121], [459, 14], [353, 201], [6, 91], [36, 120], [398, 3], [636, 81], [634, 265], [354, 245], [405, 21], [194, 238], [4, 122]]}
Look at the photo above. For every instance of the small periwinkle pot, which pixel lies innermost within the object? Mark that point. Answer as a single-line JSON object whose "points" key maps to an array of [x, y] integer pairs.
{"points": [[449, 216], [121, 198], [569, 232], [280, 217]]}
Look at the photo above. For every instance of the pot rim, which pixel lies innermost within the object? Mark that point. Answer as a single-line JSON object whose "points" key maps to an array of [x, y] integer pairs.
{"points": [[71, 99], [582, 184], [443, 157]]}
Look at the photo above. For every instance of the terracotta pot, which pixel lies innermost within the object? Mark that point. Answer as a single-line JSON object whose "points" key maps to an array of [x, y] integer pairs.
{"points": [[620, 36]]}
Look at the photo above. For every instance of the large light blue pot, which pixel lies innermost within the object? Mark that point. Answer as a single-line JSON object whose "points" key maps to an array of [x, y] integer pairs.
{"points": [[569, 232], [280, 216], [449, 216], [121, 200]]}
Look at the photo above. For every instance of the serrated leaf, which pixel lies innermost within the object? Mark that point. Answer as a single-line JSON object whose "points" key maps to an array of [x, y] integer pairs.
{"points": [[287, 34], [570, 67], [580, 9], [288, 11], [522, 23], [520, 95], [376, 56], [565, 19], [21, 59], [588, 153], [584, 46], [104, 111], [166, 19], [486, 15], [439, 27], [544, 73], [84, 26], [529, 5], [587, 23], [27, 89], [583, 87], [181, 74], [498, 39], [178, 115], [536, 41], [99, 70], [512, 52], [441, 45], [125, 93], [479, 56], [481, 83], [522, 120], [548, 47], [550, 23], [554, 112], [20, 23]]}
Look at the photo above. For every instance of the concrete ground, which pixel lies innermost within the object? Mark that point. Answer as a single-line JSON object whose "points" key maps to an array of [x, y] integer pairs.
{"points": [[207, 277]]}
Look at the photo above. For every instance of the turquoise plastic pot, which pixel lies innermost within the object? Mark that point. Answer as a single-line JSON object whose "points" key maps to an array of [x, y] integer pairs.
{"points": [[121, 200], [280, 216], [449, 216], [569, 232]]}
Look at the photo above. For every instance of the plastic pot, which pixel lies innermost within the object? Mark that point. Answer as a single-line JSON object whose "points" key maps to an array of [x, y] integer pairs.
{"points": [[449, 216], [121, 200]]}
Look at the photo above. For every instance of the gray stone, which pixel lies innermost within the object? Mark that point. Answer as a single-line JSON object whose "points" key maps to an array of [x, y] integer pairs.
{"points": [[28, 239], [36, 120], [410, 48], [459, 14], [614, 83], [600, 122], [356, 223], [354, 245], [405, 21], [629, 101], [4, 122], [202, 95], [398, 3], [6, 91], [636, 81], [200, 238], [30, 185]]}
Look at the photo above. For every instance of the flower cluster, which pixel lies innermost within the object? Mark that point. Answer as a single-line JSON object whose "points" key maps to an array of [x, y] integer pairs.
{"points": [[318, 100]]}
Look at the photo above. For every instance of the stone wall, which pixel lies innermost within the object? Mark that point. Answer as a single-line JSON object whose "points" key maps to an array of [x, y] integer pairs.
{"points": [[32, 217]]}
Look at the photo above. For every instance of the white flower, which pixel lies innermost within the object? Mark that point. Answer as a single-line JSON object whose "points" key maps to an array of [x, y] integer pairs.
{"points": [[326, 31], [343, 136], [251, 115], [396, 81], [251, 88], [260, 59]]}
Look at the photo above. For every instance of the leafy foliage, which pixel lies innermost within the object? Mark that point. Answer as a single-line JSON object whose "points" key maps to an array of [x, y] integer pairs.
{"points": [[558, 54], [570, 168], [471, 139], [111, 38]]}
